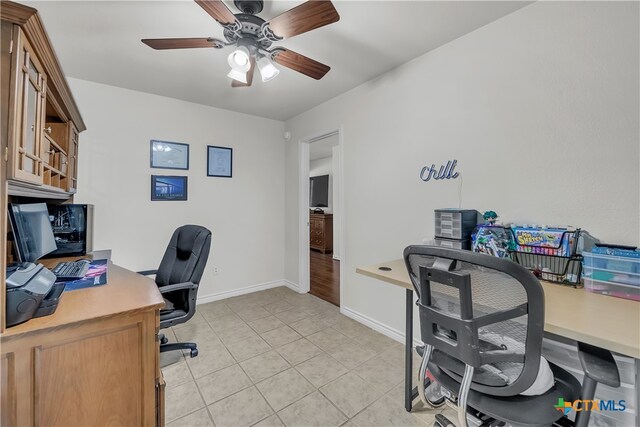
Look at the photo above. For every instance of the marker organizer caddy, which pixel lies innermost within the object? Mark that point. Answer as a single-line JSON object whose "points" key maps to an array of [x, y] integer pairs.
{"points": [[557, 262]]}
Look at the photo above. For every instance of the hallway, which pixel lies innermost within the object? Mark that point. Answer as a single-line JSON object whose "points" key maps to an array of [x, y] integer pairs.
{"points": [[325, 277]]}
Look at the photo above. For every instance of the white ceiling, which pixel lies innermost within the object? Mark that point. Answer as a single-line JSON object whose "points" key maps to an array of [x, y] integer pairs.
{"points": [[100, 41]]}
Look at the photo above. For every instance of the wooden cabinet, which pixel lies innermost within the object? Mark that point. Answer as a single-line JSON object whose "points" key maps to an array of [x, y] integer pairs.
{"points": [[321, 232], [72, 171], [26, 114], [90, 363], [44, 123], [35, 103]]}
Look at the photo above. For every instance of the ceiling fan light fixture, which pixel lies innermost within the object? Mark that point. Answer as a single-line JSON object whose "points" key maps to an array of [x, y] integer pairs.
{"points": [[240, 59], [268, 71], [238, 75]]}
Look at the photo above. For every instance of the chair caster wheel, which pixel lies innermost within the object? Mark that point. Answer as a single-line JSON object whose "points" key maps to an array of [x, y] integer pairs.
{"points": [[164, 340], [194, 352]]}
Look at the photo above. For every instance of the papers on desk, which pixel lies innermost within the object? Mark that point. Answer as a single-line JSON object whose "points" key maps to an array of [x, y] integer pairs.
{"points": [[96, 276]]}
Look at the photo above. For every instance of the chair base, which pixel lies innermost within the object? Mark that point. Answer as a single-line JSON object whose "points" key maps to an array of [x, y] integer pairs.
{"points": [[193, 347], [518, 410], [163, 339]]}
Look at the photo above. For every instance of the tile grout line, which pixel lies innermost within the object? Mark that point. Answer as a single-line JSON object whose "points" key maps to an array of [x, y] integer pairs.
{"points": [[206, 407], [309, 315]]}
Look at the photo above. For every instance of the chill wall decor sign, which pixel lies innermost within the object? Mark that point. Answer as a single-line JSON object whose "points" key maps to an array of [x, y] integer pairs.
{"points": [[443, 172]]}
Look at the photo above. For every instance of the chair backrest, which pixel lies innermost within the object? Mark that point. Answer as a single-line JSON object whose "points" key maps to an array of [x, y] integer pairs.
{"points": [[481, 311], [185, 257]]}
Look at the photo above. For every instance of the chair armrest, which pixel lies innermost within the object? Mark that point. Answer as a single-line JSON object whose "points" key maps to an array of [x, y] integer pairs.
{"points": [[599, 364], [177, 287], [147, 272]]}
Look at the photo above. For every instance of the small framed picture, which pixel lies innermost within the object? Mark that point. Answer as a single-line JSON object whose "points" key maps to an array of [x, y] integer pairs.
{"points": [[167, 187], [169, 155], [219, 161]]}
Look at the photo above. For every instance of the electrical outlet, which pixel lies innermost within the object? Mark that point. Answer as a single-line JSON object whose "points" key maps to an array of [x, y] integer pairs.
{"points": [[216, 270]]}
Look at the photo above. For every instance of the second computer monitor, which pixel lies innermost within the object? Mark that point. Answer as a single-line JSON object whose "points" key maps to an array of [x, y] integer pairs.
{"points": [[32, 232]]}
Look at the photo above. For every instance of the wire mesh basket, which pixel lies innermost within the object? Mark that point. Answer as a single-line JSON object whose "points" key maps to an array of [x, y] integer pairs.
{"points": [[559, 263]]}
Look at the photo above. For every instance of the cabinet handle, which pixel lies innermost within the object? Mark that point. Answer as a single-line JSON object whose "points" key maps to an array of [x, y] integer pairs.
{"points": [[50, 152], [48, 130]]}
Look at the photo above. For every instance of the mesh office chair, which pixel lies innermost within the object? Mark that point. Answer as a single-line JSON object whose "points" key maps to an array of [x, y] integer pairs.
{"points": [[178, 278], [482, 320]]}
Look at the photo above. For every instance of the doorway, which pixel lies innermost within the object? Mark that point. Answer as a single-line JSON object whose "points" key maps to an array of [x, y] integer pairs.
{"points": [[321, 216]]}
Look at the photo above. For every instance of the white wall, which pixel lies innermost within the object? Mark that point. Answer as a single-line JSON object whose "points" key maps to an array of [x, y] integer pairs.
{"points": [[320, 167], [244, 213], [541, 110]]}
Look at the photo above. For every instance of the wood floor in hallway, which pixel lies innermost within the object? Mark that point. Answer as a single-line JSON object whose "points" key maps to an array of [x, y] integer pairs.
{"points": [[325, 277]]}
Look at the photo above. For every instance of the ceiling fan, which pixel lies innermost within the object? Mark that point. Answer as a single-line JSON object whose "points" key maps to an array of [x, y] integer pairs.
{"points": [[252, 37]]}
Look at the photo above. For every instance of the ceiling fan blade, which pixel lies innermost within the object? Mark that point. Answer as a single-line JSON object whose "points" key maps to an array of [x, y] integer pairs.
{"points": [[218, 11], [184, 43], [305, 17], [235, 83], [300, 63]]}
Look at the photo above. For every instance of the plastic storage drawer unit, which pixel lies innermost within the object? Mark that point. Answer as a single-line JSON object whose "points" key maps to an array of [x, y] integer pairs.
{"points": [[452, 243], [455, 223], [613, 275]]}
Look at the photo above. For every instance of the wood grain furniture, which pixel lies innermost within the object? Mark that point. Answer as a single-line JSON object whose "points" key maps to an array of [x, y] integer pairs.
{"points": [[43, 121], [600, 320], [95, 361], [40, 121], [321, 232]]}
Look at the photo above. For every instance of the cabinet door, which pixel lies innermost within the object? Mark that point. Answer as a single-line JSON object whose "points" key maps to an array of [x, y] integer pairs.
{"points": [[28, 112], [72, 171]]}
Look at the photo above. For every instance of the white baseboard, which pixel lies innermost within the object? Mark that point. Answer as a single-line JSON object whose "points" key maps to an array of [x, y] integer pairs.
{"points": [[246, 290], [293, 286], [387, 330]]}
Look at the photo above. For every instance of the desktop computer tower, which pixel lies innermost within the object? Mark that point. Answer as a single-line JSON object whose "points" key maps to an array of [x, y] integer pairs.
{"points": [[72, 228]]}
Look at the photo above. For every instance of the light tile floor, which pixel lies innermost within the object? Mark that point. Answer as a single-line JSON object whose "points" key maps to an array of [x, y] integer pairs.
{"points": [[276, 357]]}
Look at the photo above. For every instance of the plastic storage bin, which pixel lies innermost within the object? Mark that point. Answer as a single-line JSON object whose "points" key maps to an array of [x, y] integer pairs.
{"points": [[454, 244], [614, 289], [455, 223], [613, 275]]}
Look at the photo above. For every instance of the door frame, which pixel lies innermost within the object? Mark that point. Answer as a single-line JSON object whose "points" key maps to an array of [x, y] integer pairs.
{"points": [[304, 268]]}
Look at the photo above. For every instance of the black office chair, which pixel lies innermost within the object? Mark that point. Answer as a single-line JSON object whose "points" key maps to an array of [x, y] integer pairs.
{"points": [[482, 320], [178, 278]]}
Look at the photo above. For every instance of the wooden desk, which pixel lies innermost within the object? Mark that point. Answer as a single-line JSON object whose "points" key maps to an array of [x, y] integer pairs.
{"points": [[600, 320], [95, 361]]}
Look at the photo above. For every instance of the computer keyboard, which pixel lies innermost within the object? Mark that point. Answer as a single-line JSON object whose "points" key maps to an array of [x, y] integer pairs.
{"points": [[71, 270]]}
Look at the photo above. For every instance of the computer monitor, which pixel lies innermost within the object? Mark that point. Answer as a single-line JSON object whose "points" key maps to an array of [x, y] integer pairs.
{"points": [[319, 191], [32, 232]]}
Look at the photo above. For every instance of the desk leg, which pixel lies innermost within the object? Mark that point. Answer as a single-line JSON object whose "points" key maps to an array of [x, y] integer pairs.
{"points": [[408, 356], [637, 362]]}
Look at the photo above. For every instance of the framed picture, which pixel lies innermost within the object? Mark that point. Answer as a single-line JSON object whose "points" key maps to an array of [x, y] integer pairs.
{"points": [[219, 161], [169, 155], [167, 187]]}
